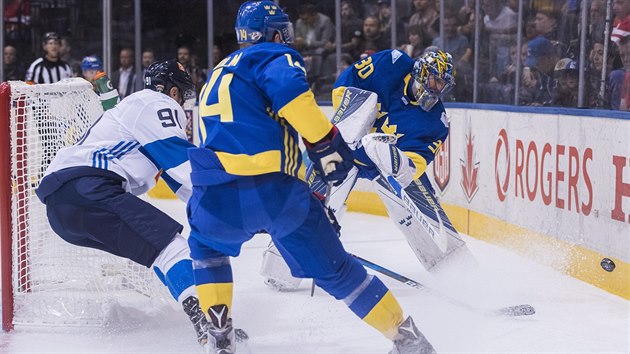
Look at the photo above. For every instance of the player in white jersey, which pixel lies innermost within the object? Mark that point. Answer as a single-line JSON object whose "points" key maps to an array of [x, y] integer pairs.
{"points": [[90, 189]]}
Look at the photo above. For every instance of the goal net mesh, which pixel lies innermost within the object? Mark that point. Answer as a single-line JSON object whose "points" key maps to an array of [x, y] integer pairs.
{"points": [[55, 282]]}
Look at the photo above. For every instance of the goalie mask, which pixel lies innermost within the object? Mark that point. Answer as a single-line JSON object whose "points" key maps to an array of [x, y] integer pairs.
{"points": [[433, 76], [259, 21], [163, 75]]}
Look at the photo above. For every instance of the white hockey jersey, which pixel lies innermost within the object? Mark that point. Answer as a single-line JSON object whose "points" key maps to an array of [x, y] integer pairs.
{"points": [[140, 139]]}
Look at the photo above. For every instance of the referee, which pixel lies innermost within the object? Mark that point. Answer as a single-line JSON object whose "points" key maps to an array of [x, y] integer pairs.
{"points": [[47, 70]]}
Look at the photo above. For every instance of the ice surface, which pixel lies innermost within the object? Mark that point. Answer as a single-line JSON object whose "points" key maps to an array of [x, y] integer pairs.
{"points": [[572, 316]]}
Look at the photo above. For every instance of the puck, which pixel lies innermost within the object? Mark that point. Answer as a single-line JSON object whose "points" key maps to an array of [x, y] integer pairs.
{"points": [[607, 264]]}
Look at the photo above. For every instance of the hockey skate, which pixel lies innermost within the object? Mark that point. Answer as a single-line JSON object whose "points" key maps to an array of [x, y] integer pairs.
{"points": [[221, 334], [197, 317], [410, 340]]}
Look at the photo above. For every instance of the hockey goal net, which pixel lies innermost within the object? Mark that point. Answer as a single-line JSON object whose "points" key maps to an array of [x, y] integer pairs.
{"points": [[46, 281]]}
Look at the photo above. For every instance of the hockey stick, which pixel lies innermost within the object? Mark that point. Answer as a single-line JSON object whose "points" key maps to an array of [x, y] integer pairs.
{"points": [[516, 310]]}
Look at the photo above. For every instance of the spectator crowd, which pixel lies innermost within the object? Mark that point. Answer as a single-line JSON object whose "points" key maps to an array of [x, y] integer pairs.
{"points": [[57, 63], [548, 59]]}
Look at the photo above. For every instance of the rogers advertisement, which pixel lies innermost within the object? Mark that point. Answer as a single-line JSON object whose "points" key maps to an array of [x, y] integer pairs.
{"points": [[564, 176]]}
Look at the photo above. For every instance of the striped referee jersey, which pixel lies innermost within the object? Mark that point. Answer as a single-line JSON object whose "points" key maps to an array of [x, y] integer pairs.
{"points": [[44, 71]]}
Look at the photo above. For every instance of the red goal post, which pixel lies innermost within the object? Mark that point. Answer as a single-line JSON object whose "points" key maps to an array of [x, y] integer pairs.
{"points": [[6, 224]]}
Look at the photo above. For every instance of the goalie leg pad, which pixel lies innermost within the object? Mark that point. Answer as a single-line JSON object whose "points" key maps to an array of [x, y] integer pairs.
{"points": [[276, 271], [421, 243]]}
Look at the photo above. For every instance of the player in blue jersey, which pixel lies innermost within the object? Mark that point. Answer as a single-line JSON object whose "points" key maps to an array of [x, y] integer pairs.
{"points": [[90, 189], [244, 177], [92, 70], [407, 107]]}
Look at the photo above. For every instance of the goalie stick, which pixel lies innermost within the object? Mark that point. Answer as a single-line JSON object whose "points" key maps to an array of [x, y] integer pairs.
{"points": [[516, 310]]}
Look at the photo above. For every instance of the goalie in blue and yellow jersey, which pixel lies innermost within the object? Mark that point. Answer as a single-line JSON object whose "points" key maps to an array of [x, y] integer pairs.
{"points": [[409, 109], [408, 103], [244, 176], [389, 106]]}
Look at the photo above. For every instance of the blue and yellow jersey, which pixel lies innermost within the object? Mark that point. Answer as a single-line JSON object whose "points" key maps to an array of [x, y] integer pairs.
{"points": [[388, 74], [252, 108]]}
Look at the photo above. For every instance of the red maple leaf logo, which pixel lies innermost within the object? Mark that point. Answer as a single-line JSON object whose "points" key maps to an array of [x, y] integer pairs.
{"points": [[470, 167]]}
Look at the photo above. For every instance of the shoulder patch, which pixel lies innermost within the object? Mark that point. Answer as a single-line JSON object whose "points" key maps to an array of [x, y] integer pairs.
{"points": [[395, 55]]}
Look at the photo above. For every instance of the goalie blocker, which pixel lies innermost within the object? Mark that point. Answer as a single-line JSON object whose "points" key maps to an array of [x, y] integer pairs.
{"points": [[354, 119]]}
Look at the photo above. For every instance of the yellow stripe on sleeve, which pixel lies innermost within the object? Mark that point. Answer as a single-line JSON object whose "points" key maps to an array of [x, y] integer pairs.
{"points": [[215, 294], [419, 161], [386, 316], [306, 117], [337, 96], [287, 147]]}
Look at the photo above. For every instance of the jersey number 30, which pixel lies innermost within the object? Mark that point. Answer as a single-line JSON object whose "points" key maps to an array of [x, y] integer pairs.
{"points": [[364, 68]]}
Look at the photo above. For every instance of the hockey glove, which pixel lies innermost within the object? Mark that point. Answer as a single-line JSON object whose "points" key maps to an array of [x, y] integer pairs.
{"points": [[331, 156], [389, 159]]}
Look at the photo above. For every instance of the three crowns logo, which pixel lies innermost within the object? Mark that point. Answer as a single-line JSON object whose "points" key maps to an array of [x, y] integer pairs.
{"points": [[271, 9]]}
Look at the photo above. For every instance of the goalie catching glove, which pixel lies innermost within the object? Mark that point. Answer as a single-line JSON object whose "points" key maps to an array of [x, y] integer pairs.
{"points": [[389, 159], [331, 156]]}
